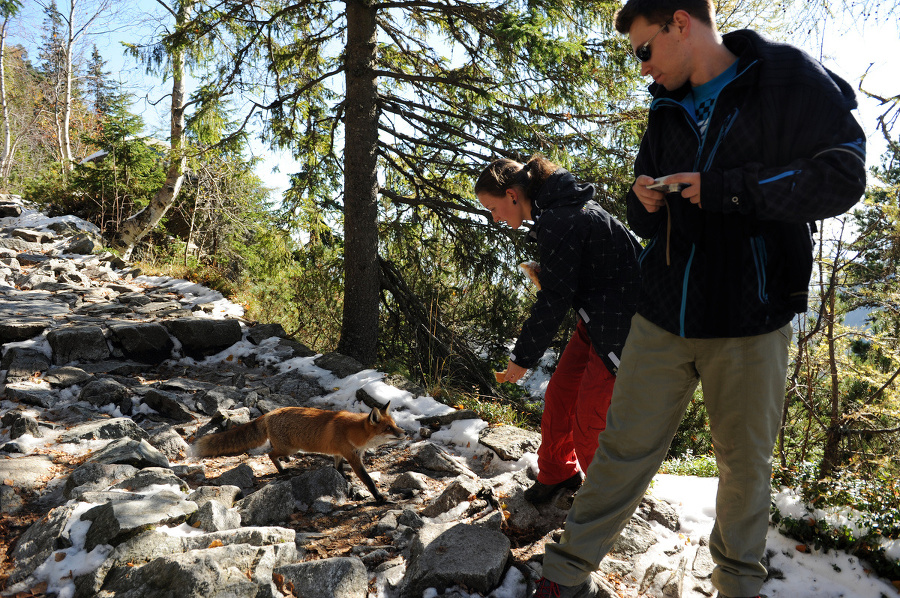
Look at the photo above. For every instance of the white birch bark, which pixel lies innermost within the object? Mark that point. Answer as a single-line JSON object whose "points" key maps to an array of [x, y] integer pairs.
{"points": [[6, 158], [134, 228]]}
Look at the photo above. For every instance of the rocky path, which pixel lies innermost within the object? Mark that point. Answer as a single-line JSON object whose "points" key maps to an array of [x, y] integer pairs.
{"points": [[109, 375]]}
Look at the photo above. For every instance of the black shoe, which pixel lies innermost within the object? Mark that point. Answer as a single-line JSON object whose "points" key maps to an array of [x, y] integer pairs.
{"points": [[539, 493]]}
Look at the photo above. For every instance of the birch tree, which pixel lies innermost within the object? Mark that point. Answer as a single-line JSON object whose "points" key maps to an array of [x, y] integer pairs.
{"points": [[78, 20], [8, 10], [138, 225]]}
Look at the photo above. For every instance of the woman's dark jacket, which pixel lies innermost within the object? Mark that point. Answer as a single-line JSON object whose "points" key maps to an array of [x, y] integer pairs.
{"points": [[782, 150], [589, 263]]}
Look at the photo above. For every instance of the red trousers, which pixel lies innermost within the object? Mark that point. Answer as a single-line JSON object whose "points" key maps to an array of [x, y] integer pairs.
{"points": [[575, 405]]}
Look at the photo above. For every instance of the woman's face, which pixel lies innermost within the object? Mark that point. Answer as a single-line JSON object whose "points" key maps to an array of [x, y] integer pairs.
{"points": [[509, 208]]}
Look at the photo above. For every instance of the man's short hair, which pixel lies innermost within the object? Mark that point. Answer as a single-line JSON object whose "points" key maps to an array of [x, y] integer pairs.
{"points": [[659, 11]]}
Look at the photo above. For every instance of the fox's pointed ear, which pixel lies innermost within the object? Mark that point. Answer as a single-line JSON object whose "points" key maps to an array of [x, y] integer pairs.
{"points": [[386, 407], [374, 416]]}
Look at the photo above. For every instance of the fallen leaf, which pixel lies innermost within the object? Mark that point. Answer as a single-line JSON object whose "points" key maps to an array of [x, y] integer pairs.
{"points": [[802, 548], [59, 556], [215, 544]]}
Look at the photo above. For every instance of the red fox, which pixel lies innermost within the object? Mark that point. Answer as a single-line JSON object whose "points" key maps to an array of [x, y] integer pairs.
{"points": [[343, 434]]}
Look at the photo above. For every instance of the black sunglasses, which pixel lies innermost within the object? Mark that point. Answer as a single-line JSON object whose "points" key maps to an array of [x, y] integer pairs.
{"points": [[643, 52]]}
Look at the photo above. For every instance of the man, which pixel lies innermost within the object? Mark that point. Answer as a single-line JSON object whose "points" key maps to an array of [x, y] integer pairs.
{"points": [[765, 139]]}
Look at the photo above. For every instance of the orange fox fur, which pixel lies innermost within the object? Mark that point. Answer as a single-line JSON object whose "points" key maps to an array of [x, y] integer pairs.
{"points": [[342, 434]]}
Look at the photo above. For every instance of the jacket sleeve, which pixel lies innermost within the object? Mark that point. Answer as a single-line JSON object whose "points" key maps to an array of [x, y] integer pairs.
{"points": [[560, 247], [643, 223], [822, 172]]}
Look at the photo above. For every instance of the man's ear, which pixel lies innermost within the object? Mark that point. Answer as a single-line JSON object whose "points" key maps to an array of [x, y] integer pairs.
{"points": [[682, 21]]}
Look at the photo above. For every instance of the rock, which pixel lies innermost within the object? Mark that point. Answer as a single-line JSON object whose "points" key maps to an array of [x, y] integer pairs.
{"points": [[10, 501], [457, 492], [441, 556], [106, 391], [261, 332], [119, 427], [66, 376], [148, 342], [339, 365], [30, 472], [20, 362], [28, 394], [24, 424], [430, 456], [113, 523], [295, 384], [343, 577], [167, 405], [224, 495], [635, 539], [703, 564], [95, 476], [510, 442], [170, 443], [214, 516], [449, 418], [81, 243], [273, 503], [240, 476], [661, 512], [39, 541], [13, 330], [200, 337], [81, 343], [409, 480], [324, 484], [198, 574], [152, 476], [224, 420], [218, 399], [128, 451]]}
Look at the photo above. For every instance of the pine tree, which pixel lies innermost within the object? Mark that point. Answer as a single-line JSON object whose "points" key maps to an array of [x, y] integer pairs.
{"points": [[98, 85], [392, 107]]}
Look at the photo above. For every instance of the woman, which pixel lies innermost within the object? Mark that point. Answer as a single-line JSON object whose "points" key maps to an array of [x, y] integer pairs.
{"points": [[589, 262]]}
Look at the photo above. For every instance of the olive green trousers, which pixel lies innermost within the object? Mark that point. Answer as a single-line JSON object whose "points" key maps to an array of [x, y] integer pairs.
{"points": [[743, 381]]}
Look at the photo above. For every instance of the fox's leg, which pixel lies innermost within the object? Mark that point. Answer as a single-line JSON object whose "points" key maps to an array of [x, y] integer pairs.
{"points": [[274, 459], [359, 469], [339, 463]]}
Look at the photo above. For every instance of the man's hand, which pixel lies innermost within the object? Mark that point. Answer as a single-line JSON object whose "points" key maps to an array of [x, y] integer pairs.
{"points": [[651, 200], [654, 200]]}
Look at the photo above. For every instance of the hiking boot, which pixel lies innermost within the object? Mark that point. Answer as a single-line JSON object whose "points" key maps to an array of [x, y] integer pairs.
{"points": [[550, 589], [539, 492]]}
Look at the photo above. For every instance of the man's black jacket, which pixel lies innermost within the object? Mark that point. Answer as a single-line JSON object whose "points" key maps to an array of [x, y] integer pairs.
{"points": [[781, 151]]}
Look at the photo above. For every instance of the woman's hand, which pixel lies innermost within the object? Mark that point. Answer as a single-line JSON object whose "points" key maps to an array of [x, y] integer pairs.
{"points": [[514, 372]]}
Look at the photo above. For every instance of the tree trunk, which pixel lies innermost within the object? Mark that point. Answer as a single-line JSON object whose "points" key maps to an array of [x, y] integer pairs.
{"points": [[831, 452], [6, 159], [65, 144], [138, 225], [359, 325]]}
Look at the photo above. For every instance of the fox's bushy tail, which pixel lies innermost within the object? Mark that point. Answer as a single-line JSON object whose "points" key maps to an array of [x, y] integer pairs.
{"points": [[235, 441]]}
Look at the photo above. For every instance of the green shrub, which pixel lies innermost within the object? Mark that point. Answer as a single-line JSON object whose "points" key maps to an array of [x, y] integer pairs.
{"points": [[873, 502], [703, 466]]}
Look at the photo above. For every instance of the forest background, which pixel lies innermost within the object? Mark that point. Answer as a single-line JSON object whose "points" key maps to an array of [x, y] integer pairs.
{"points": [[376, 247]]}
